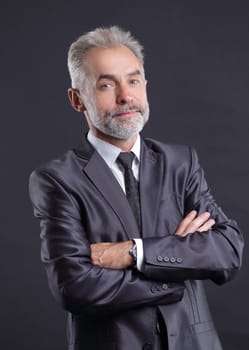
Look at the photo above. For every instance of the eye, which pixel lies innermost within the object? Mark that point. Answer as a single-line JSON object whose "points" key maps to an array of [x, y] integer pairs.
{"points": [[134, 81], [106, 85]]}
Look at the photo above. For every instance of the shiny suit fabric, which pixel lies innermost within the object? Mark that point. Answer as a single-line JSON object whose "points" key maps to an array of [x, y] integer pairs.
{"points": [[79, 202]]}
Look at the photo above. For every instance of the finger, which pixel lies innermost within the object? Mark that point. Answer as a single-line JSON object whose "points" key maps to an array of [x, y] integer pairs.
{"points": [[94, 259], [186, 222], [96, 252], [197, 222], [207, 226], [94, 255]]}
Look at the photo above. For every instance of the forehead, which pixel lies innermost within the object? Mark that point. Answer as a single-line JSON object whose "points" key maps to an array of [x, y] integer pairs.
{"points": [[117, 60]]}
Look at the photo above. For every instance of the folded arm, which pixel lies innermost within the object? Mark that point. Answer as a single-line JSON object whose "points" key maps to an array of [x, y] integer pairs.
{"points": [[213, 252], [116, 255], [206, 244], [78, 284]]}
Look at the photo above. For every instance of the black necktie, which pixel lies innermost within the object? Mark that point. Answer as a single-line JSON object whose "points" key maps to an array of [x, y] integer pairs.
{"points": [[125, 159]]}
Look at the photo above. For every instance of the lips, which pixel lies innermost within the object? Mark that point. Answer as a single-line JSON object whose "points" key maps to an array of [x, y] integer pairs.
{"points": [[128, 113]]}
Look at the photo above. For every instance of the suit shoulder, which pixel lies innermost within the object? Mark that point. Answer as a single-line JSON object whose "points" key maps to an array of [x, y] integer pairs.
{"points": [[175, 151], [57, 164], [56, 168]]}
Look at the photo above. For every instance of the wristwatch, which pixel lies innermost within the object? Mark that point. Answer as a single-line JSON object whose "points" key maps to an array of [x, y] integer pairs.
{"points": [[133, 252]]}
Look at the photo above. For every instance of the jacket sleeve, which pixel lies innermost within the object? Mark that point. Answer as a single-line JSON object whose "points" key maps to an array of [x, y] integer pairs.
{"points": [[215, 254], [78, 285]]}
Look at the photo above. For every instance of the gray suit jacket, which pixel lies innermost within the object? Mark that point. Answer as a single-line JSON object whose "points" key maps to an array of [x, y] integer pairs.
{"points": [[78, 201]]}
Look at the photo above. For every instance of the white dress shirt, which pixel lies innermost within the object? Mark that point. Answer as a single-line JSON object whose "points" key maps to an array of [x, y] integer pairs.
{"points": [[110, 154]]}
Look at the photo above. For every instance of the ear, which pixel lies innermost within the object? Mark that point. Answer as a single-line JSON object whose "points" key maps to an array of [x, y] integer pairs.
{"points": [[75, 100]]}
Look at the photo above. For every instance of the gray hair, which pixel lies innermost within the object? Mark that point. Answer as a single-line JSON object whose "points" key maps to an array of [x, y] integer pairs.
{"points": [[102, 38]]}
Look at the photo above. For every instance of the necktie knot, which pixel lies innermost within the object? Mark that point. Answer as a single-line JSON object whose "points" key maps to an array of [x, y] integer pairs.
{"points": [[126, 159]]}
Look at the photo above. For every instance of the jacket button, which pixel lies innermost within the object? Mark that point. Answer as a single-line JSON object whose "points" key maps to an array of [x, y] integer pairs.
{"points": [[172, 260], [179, 260], [147, 346], [164, 286], [160, 258], [166, 259], [153, 289]]}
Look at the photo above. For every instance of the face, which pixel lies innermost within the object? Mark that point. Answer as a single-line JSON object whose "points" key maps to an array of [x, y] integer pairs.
{"points": [[115, 98]]}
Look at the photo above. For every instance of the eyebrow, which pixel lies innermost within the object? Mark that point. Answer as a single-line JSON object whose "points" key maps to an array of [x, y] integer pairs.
{"points": [[135, 72], [112, 77]]}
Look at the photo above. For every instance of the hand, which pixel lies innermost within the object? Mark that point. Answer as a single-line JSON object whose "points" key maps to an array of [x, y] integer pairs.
{"points": [[192, 223], [112, 255]]}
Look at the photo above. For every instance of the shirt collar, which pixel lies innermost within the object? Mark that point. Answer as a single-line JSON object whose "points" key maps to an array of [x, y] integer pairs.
{"points": [[110, 152]]}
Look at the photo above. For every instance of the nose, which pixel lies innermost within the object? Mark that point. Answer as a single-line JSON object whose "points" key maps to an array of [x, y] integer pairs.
{"points": [[124, 95]]}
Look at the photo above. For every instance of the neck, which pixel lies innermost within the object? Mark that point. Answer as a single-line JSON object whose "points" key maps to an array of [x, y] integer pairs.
{"points": [[124, 145]]}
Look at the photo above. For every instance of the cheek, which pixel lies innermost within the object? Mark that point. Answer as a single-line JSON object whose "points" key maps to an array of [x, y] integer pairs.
{"points": [[106, 102], [141, 92], [142, 96]]}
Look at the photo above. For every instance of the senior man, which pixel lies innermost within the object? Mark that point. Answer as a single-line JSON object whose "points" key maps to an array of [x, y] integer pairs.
{"points": [[129, 227]]}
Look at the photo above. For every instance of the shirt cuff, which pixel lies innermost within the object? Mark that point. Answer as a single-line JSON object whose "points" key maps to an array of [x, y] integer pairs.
{"points": [[140, 253]]}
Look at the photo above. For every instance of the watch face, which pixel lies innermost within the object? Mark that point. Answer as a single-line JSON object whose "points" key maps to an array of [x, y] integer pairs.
{"points": [[135, 251]]}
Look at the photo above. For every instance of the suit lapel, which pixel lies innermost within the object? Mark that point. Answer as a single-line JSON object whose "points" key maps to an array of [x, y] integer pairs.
{"points": [[151, 175], [101, 176]]}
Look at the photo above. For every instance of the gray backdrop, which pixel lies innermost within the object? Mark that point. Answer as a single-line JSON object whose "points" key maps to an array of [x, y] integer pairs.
{"points": [[197, 58]]}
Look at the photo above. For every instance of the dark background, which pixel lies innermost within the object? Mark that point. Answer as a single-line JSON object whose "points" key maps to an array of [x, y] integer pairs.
{"points": [[197, 57]]}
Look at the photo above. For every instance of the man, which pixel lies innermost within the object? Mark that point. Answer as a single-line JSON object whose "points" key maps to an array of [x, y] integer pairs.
{"points": [[125, 246]]}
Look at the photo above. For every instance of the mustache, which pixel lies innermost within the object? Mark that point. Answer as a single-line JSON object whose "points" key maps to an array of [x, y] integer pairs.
{"points": [[124, 109]]}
